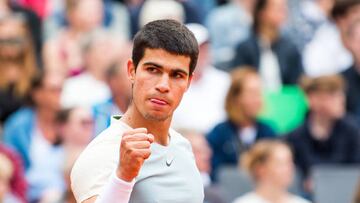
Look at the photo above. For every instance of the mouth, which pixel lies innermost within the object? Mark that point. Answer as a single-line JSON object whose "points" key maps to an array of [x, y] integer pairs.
{"points": [[159, 101]]}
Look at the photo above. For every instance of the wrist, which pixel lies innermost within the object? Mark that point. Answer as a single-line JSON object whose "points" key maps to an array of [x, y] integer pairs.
{"points": [[123, 176]]}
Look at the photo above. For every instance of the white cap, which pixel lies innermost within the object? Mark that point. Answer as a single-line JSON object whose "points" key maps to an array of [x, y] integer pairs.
{"points": [[200, 32]]}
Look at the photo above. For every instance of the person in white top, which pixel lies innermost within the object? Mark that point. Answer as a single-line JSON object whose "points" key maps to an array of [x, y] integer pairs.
{"points": [[139, 158], [271, 166]]}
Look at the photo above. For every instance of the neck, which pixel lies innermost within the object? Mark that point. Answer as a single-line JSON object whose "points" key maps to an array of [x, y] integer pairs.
{"points": [[46, 123], [268, 34], [321, 126], [247, 122], [160, 129], [271, 193]]}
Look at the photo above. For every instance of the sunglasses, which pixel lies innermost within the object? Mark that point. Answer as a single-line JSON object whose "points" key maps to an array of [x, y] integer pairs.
{"points": [[14, 41]]}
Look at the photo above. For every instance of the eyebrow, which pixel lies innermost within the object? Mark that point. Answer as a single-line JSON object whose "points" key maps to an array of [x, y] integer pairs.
{"points": [[161, 67]]}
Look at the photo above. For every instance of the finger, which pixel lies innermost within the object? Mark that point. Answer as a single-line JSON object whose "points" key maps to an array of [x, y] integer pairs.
{"points": [[135, 131], [139, 145], [143, 153], [150, 138], [136, 137]]}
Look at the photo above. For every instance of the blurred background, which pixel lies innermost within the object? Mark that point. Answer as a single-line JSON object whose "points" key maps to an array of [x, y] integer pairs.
{"points": [[273, 110]]}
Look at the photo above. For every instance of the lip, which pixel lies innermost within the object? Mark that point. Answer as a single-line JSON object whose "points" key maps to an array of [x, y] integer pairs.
{"points": [[159, 101]]}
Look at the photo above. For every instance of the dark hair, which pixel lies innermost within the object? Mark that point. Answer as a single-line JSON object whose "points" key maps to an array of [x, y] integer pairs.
{"points": [[169, 35], [63, 115], [36, 83], [328, 83], [341, 7], [259, 7]]}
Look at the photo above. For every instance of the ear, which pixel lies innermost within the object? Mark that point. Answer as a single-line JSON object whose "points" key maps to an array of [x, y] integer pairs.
{"points": [[189, 81], [131, 71]]}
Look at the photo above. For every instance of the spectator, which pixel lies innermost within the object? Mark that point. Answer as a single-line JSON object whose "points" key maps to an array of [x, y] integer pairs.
{"points": [[76, 89], [17, 63], [76, 130], [202, 154], [229, 25], [241, 130], [271, 166], [115, 16], [31, 21], [120, 87], [6, 172], [306, 18], [203, 95], [328, 52], [272, 54], [327, 135], [18, 184], [63, 53], [352, 74], [32, 132], [76, 127]]}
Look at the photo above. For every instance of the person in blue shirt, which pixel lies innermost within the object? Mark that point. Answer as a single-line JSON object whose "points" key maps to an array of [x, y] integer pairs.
{"points": [[242, 128]]}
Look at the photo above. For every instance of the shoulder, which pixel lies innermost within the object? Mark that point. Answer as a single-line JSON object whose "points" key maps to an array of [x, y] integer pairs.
{"points": [[265, 130], [23, 116], [221, 128], [248, 198], [297, 199], [96, 163], [179, 139]]}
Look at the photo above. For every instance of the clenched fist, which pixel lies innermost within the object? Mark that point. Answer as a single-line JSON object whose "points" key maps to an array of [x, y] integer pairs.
{"points": [[134, 150]]}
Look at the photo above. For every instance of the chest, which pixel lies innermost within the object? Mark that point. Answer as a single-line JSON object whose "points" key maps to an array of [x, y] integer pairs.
{"points": [[170, 176]]}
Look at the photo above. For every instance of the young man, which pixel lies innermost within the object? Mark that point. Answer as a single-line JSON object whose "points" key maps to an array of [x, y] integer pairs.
{"points": [[139, 158]]}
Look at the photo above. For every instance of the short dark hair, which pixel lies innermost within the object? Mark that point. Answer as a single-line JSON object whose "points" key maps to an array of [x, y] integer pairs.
{"points": [[169, 35], [341, 7]]}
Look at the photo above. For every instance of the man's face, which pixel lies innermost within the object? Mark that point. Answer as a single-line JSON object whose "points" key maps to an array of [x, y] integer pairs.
{"points": [[328, 104], [354, 43], [159, 82]]}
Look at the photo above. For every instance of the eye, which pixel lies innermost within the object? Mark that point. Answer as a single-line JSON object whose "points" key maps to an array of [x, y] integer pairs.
{"points": [[178, 75], [152, 70]]}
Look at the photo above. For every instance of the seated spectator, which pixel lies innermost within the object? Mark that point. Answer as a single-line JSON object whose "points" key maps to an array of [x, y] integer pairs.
{"points": [[17, 63], [328, 52], [115, 17], [32, 21], [31, 131], [204, 94], [76, 131], [327, 135], [229, 25], [120, 87], [6, 172], [271, 166], [76, 127], [306, 17], [271, 53], [18, 184], [64, 52], [241, 130], [202, 154], [76, 89], [352, 74]]}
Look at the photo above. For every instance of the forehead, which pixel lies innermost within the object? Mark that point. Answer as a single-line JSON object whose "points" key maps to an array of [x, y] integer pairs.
{"points": [[166, 59]]}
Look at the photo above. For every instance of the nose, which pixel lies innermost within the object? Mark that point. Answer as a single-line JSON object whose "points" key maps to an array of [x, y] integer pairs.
{"points": [[163, 84]]}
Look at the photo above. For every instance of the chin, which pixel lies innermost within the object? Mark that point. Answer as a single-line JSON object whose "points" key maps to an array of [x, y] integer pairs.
{"points": [[155, 117]]}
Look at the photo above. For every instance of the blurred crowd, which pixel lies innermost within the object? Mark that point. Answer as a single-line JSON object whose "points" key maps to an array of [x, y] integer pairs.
{"points": [[276, 90]]}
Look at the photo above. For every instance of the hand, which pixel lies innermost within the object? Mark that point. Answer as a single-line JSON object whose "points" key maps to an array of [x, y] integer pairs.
{"points": [[134, 150]]}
